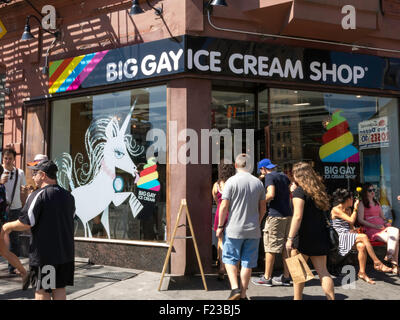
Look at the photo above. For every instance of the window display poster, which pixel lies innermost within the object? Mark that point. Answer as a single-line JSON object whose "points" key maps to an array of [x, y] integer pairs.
{"points": [[375, 168], [373, 133], [339, 175]]}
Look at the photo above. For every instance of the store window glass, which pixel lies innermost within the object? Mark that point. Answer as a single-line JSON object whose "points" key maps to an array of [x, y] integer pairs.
{"points": [[99, 143], [232, 110], [350, 139], [2, 106]]}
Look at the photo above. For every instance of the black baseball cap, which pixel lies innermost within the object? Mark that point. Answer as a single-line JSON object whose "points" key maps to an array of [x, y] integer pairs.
{"points": [[47, 166]]}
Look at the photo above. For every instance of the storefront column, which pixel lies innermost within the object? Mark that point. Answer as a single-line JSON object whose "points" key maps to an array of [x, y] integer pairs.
{"points": [[189, 107]]}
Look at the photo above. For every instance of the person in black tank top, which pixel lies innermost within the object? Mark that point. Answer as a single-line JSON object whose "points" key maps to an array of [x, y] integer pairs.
{"points": [[310, 200]]}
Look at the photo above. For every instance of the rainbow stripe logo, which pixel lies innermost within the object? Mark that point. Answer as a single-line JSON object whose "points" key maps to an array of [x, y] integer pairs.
{"points": [[148, 177], [337, 141], [69, 74]]}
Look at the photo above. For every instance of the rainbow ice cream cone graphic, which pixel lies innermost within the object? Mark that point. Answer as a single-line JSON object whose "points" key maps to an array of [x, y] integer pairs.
{"points": [[148, 176], [148, 187], [338, 141]]}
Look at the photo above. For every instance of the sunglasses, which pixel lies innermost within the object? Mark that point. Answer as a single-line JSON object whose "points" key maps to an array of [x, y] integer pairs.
{"points": [[11, 175], [371, 190]]}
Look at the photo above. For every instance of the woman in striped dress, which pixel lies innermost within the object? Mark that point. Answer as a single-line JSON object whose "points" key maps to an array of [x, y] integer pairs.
{"points": [[343, 223]]}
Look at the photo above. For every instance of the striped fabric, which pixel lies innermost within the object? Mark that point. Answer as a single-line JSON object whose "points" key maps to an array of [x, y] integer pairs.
{"points": [[347, 239]]}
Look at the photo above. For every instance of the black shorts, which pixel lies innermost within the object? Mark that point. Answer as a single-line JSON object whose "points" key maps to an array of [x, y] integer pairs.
{"points": [[41, 277]]}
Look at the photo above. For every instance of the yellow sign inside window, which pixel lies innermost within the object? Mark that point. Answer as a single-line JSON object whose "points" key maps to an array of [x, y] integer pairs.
{"points": [[3, 30]]}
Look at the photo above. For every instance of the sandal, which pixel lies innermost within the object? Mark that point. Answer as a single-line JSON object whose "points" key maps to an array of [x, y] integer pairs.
{"points": [[395, 268], [379, 266], [364, 277], [388, 257]]}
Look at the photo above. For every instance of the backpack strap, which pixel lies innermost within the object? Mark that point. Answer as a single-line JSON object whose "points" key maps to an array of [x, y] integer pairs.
{"points": [[15, 186]]}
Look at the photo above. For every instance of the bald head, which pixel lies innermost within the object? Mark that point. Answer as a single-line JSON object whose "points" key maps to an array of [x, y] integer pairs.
{"points": [[243, 162]]}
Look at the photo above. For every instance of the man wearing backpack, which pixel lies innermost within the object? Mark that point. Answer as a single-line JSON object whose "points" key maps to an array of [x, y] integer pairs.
{"points": [[14, 181]]}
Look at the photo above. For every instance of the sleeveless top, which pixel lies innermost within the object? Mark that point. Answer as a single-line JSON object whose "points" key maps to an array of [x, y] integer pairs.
{"points": [[372, 215], [219, 200], [347, 239]]}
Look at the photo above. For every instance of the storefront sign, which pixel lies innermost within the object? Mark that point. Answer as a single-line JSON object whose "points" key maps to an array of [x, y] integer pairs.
{"points": [[340, 172], [271, 62], [3, 30], [226, 57], [339, 175], [146, 60], [373, 133]]}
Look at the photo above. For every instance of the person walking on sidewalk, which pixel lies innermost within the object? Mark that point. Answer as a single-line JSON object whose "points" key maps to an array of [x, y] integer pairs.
{"points": [[277, 224], [244, 197], [225, 171], [14, 181], [310, 200], [49, 213], [4, 252]]}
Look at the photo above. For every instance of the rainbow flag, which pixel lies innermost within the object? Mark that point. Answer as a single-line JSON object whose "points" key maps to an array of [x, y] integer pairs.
{"points": [[69, 74]]}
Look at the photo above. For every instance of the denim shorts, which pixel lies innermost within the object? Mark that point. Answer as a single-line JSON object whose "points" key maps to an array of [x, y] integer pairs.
{"points": [[244, 250]]}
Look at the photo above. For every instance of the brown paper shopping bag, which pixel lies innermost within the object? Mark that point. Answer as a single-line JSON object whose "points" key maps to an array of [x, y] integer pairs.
{"points": [[299, 269]]}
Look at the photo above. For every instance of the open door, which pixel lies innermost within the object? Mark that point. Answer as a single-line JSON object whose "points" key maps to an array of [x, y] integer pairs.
{"points": [[36, 134]]}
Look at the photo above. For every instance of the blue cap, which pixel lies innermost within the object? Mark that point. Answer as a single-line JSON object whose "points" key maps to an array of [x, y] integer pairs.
{"points": [[265, 163]]}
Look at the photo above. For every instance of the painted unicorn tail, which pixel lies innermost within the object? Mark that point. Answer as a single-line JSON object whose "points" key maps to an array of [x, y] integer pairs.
{"points": [[64, 174]]}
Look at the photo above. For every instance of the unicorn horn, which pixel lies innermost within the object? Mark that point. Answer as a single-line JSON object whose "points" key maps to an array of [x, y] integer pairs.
{"points": [[124, 126]]}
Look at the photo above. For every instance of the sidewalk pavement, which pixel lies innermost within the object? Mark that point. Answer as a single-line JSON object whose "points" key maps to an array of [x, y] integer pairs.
{"points": [[96, 282]]}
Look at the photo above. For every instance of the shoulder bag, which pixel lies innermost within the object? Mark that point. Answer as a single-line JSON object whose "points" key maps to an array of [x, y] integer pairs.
{"points": [[333, 235]]}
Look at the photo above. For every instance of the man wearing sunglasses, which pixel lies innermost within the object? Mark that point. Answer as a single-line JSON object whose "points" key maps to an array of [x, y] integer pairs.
{"points": [[15, 187]]}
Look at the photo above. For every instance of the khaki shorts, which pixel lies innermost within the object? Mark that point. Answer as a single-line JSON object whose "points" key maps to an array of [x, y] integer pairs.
{"points": [[276, 231]]}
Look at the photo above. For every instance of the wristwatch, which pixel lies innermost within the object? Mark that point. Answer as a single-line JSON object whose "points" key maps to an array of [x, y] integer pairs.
{"points": [[221, 227]]}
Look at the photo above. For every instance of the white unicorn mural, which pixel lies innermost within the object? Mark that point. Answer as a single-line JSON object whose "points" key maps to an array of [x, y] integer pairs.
{"points": [[108, 147]]}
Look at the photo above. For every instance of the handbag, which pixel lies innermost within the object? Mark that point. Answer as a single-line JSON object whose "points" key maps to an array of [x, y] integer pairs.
{"points": [[299, 269], [333, 235]]}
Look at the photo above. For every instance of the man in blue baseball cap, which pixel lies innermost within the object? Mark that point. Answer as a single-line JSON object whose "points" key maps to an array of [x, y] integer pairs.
{"points": [[277, 223], [265, 163]]}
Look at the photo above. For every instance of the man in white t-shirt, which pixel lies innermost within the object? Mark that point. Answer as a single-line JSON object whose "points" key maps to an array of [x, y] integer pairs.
{"points": [[8, 179]]}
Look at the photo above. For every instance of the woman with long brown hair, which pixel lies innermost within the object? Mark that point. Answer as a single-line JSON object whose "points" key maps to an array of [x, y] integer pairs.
{"points": [[310, 200]]}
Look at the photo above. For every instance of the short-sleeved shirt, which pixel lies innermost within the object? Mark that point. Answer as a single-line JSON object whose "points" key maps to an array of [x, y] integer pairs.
{"points": [[313, 234], [280, 205], [16, 204], [244, 192], [50, 213]]}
